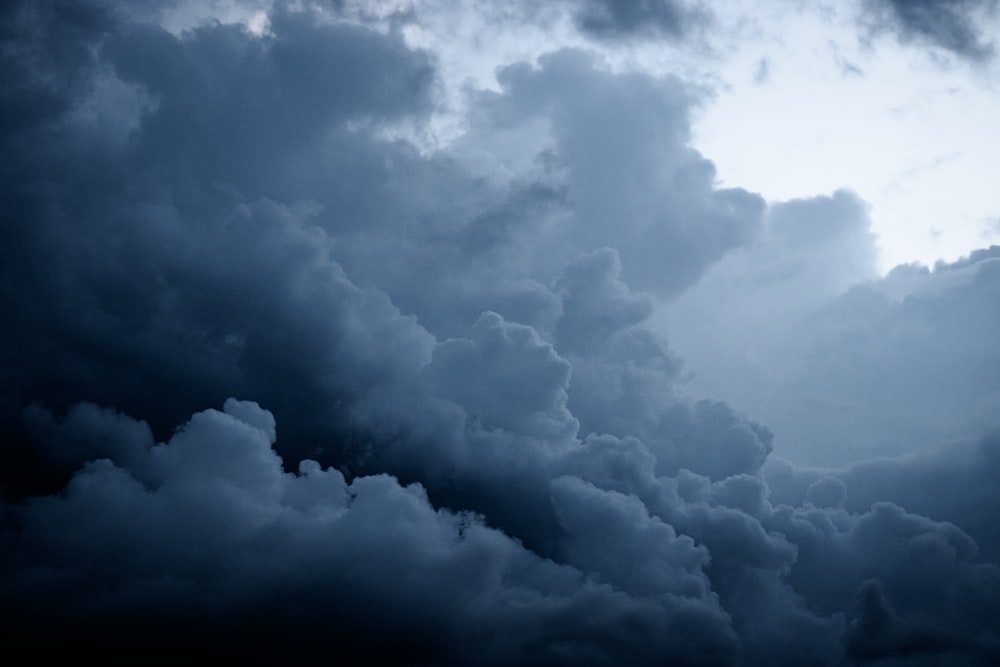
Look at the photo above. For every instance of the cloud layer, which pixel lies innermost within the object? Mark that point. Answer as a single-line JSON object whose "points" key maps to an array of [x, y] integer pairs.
{"points": [[209, 528], [462, 437]]}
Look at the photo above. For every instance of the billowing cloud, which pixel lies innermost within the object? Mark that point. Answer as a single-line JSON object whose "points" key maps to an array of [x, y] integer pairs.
{"points": [[153, 316], [211, 527], [958, 475], [616, 147], [464, 438]]}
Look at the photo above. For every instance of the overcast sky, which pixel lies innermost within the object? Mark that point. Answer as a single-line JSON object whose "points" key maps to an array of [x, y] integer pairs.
{"points": [[435, 333]]}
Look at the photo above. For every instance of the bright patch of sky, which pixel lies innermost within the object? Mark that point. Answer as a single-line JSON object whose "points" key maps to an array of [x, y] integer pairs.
{"points": [[810, 105]]}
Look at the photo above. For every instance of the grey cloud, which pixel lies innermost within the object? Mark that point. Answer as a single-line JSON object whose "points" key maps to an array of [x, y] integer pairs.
{"points": [[245, 112], [675, 19], [810, 250], [48, 47], [156, 276], [210, 526], [372, 556], [597, 303], [217, 213], [505, 377], [924, 363], [818, 221], [622, 372], [898, 549], [618, 143], [841, 364], [649, 556], [521, 476], [88, 432], [496, 410], [826, 492], [625, 378], [879, 633], [948, 24], [959, 475], [715, 440]]}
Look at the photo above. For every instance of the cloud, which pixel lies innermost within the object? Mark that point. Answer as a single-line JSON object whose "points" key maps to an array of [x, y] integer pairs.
{"points": [[499, 457], [667, 18], [842, 364], [617, 144], [649, 556], [208, 525], [949, 25], [242, 225], [505, 376], [889, 361], [879, 634], [88, 432], [958, 473], [117, 277]]}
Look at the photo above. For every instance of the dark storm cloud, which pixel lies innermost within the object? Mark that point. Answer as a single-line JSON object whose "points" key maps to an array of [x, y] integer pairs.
{"points": [[899, 614], [948, 24], [155, 266], [466, 333], [208, 526], [194, 200]]}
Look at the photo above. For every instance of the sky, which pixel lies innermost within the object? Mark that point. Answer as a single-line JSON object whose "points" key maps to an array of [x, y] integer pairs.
{"points": [[429, 333]]}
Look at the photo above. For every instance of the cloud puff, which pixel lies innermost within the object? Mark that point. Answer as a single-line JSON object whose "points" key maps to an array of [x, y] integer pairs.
{"points": [[505, 376]]}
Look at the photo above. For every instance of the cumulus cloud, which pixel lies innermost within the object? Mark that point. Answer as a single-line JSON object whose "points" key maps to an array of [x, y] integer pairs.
{"points": [[482, 449], [251, 231], [618, 145], [121, 266], [209, 526]]}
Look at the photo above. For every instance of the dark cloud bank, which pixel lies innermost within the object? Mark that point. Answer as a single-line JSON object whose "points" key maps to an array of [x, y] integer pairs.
{"points": [[460, 440]]}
